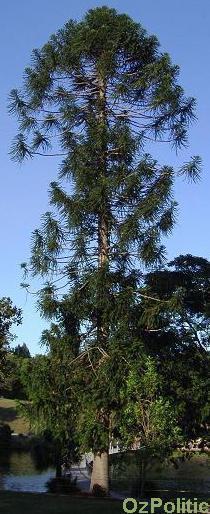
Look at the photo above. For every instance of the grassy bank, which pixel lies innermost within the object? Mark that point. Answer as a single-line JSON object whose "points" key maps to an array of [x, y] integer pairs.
{"points": [[9, 415], [17, 503]]}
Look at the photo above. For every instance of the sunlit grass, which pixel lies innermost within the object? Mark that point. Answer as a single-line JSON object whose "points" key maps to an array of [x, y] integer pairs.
{"points": [[9, 415]]}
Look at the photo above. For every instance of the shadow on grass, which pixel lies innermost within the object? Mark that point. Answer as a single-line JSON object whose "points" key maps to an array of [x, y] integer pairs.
{"points": [[7, 414]]}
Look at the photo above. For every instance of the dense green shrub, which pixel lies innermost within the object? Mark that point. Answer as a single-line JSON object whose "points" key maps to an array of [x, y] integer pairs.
{"points": [[66, 485]]}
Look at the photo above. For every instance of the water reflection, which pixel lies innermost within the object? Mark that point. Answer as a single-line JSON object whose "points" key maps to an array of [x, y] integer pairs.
{"points": [[18, 472]]}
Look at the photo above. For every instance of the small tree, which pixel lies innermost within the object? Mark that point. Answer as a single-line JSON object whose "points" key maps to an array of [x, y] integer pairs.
{"points": [[96, 93], [147, 417]]}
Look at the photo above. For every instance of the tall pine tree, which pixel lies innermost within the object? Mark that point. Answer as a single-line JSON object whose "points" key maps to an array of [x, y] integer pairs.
{"points": [[96, 94]]}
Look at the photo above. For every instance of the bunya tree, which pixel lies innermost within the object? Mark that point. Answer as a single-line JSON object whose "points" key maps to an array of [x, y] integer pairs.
{"points": [[96, 94]]}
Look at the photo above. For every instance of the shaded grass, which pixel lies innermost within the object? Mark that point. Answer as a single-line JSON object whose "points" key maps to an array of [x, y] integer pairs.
{"points": [[10, 416], [19, 503]]}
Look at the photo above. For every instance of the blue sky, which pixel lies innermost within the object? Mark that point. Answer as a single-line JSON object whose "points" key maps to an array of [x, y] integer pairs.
{"points": [[183, 31]]}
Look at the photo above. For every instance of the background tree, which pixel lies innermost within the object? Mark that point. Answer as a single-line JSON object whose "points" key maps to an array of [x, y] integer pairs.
{"points": [[15, 361], [180, 340], [9, 314], [52, 406], [96, 93], [189, 277], [22, 351]]}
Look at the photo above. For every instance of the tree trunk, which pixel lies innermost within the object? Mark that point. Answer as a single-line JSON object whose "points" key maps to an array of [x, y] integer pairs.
{"points": [[103, 225], [58, 473], [58, 461], [100, 473]]}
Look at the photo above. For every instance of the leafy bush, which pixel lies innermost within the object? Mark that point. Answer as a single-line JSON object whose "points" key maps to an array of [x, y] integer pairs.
{"points": [[66, 485], [99, 491]]}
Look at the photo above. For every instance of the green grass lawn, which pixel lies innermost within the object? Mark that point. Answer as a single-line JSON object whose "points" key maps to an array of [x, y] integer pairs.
{"points": [[9, 415], [25, 503]]}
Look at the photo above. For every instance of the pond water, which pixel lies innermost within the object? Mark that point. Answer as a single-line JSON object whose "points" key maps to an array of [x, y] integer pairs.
{"points": [[18, 472]]}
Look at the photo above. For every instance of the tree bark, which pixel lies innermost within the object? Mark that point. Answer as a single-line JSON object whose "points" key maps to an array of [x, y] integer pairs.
{"points": [[100, 473], [103, 224]]}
